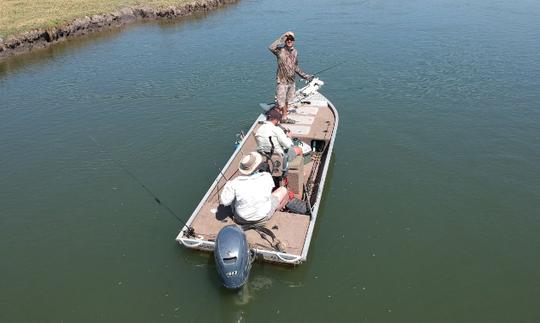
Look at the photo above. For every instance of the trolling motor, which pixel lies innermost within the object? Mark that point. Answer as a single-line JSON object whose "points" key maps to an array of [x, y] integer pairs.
{"points": [[233, 257], [312, 87]]}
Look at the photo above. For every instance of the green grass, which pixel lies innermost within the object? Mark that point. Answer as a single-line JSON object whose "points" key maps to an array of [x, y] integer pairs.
{"points": [[17, 16]]}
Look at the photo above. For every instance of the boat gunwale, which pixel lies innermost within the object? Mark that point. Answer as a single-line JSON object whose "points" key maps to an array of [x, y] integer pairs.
{"points": [[271, 256], [218, 179], [318, 199]]}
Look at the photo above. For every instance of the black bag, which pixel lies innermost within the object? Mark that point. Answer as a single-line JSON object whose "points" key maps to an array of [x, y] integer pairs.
{"points": [[297, 206]]}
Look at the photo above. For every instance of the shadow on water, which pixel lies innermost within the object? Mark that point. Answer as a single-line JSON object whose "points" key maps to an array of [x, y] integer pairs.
{"points": [[39, 56], [235, 305], [328, 180]]}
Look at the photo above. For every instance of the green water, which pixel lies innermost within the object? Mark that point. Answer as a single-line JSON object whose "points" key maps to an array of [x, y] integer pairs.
{"points": [[431, 208]]}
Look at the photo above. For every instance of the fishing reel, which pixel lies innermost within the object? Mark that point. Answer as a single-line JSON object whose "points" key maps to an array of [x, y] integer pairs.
{"points": [[239, 137]]}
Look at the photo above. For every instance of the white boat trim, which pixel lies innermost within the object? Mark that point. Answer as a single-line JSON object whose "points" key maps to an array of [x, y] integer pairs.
{"points": [[267, 255]]}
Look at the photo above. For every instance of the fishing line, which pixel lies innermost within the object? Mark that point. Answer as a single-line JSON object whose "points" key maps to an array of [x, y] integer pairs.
{"points": [[239, 147], [329, 68], [190, 231], [224, 177]]}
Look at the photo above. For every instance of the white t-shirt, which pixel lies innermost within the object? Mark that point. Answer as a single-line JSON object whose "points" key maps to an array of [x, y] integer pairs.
{"points": [[250, 194], [279, 138]]}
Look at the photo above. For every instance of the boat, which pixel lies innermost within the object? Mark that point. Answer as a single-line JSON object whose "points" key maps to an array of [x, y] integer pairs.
{"points": [[287, 235]]}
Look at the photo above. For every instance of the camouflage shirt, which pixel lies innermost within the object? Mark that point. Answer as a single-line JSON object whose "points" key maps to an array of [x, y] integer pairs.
{"points": [[287, 61]]}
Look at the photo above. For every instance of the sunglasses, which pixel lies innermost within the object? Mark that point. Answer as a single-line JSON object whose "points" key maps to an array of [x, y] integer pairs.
{"points": [[289, 39]]}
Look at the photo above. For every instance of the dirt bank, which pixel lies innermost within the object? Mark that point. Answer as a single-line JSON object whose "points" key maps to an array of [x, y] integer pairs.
{"points": [[45, 37]]}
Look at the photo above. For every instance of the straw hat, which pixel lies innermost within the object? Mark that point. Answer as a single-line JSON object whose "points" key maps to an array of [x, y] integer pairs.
{"points": [[249, 163]]}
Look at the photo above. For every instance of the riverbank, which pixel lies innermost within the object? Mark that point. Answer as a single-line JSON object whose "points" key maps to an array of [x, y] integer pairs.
{"points": [[26, 27]]}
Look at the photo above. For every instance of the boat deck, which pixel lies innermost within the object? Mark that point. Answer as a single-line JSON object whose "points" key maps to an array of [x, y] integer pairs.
{"points": [[289, 228], [315, 120]]}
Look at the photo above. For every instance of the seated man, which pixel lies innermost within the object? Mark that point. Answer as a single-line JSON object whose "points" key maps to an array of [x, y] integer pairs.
{"points": [[251, 195], [282, 142]]}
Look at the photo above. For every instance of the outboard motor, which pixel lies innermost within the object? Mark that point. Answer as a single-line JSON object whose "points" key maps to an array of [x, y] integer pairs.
{"points": [[233, 257]]}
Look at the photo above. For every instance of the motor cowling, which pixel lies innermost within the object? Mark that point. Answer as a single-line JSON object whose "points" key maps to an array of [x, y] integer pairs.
{"points": [[233, 257]]}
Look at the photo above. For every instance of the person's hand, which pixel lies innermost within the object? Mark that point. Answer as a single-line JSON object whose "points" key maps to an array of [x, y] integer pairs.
{"points": [[284, 36], [310, 77]]}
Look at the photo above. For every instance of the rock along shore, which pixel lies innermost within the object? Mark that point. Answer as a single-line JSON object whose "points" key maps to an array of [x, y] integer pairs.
{"points": [[39, 38]]}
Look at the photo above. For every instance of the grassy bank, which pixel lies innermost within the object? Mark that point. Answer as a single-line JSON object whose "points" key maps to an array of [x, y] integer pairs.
{"points": [[17, 16]]}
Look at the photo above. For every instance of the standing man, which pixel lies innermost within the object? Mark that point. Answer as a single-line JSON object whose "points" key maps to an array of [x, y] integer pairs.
{"points": [[287, 61]]}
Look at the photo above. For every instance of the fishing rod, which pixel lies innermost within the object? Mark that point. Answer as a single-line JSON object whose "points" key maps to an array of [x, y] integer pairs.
{"points": [[241, 137], [226, 180], [190, 231], [329, 68]]}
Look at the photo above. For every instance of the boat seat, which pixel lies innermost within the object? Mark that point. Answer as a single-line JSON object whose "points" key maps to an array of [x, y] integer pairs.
{"points": [[275, 163], [295, 175]]}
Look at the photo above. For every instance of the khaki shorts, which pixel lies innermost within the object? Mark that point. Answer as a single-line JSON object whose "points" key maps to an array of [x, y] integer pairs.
{"points": [[284, 93]]}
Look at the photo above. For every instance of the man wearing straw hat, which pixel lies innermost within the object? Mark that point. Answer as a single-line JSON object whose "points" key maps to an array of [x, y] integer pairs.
{"points": [[251, 194]]}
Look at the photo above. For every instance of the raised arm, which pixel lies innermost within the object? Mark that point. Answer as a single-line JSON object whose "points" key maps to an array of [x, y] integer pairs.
{"points": [[274, 47]]}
